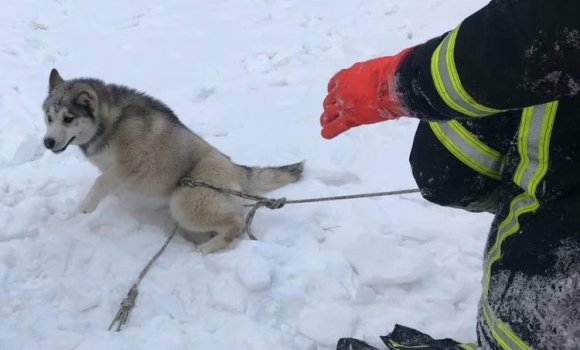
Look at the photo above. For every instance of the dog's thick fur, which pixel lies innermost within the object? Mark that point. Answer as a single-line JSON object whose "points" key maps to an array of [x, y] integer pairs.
{"points": [[137, 142]]}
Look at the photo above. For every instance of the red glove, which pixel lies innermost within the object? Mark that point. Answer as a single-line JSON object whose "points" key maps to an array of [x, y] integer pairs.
{"points": [[362, 94]]}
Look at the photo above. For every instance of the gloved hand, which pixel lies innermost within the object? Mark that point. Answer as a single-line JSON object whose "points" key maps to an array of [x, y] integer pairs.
{"points": [[362, 94]]}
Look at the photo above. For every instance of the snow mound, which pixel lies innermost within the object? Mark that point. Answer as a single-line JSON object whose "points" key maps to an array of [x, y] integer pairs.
{"points": [[381, 260]]}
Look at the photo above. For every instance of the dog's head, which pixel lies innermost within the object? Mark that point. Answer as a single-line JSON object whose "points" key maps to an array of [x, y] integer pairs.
{"points": [[70, 113]]}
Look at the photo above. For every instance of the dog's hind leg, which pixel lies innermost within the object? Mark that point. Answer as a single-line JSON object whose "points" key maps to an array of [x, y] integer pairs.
{"points": [[202, 209], [226, 233]]}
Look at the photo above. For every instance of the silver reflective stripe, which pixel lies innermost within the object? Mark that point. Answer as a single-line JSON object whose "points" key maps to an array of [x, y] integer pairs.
{"points": [[509, 226], [533, 142], [533, 148], [507, 339], [447, 82], [467, 148], [534, 116]]}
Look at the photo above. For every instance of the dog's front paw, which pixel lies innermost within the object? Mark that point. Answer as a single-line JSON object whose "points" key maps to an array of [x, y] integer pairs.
{"points": [[87, 206]]}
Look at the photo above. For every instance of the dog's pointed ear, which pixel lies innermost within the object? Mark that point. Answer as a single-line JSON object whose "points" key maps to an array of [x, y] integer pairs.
{"points": [[87, 99], [55, 79]]}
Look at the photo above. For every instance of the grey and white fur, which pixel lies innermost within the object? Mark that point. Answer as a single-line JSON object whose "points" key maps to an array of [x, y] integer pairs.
{"points": [[138, 143]]}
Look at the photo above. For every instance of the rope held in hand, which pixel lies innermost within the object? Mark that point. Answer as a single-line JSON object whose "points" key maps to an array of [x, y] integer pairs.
{"points": [[129, 302]]}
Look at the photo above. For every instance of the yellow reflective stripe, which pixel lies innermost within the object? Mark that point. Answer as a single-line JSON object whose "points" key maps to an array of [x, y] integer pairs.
{"points": [[470, 346], [447, 82], [401, 346], [523, 145], [523, 203], [468, 149], [533, 147], [536, 134], [506, 338], [467, 346]]}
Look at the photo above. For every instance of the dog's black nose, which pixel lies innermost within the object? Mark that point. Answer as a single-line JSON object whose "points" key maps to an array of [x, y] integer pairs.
{"points": [[49, 143]]}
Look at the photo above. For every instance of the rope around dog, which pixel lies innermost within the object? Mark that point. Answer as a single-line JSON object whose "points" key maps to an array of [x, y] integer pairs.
{"points": [[129, 302], [281, 202]]}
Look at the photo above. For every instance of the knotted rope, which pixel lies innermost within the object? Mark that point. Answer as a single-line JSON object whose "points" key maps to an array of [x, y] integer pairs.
{"points": [[129, 302], [281, 202]]}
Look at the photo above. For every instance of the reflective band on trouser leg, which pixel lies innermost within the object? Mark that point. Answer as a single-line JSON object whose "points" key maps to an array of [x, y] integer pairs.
{"points": [[394, 344], [533, 147], [538, 132], [470, 346], [468, 149], [405, 347], [447, 82]]}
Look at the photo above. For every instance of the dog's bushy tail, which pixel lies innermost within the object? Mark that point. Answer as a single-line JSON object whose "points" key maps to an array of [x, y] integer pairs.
{"points": [[262, 179]]}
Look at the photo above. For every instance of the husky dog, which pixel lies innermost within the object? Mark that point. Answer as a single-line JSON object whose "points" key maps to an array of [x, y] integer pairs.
{"points": [[138, 143]]}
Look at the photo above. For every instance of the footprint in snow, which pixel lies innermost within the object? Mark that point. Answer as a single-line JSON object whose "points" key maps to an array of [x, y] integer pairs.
{"points": [[278, 82], [203, 94], [37, 26]]}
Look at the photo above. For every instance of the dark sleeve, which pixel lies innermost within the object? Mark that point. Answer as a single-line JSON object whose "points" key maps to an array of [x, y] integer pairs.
{"points": [[510, 54], [445, 180]]}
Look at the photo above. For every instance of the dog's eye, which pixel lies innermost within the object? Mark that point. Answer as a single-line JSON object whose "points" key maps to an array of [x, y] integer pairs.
{"points": [[68, 120], [49, 119]]}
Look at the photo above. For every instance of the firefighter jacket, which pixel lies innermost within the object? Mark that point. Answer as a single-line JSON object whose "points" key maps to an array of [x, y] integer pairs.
{"points": [[499, 102]]}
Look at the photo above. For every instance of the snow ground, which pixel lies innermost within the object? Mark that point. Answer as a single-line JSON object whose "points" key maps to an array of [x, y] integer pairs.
{"points": [[249, 76]]}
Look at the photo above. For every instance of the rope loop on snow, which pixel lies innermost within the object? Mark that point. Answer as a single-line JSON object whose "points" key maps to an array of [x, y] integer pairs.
{"points": [[129, 302], [268, 203]]}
